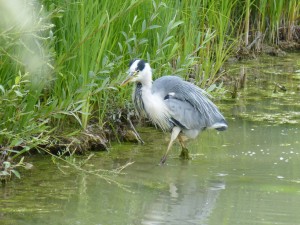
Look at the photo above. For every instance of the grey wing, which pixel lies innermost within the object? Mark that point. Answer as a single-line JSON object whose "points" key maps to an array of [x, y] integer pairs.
{"points": [[184, 115], [189, 103]]}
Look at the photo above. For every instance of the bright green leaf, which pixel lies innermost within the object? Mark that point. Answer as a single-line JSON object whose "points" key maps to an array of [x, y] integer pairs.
{"points": [[16, 173]]}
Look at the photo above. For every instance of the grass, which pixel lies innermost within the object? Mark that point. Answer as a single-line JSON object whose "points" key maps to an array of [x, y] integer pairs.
{"points": [[62, 61]]}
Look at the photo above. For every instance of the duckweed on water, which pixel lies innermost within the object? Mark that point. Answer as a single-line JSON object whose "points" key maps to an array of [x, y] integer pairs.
{"points": [[278, 118], [266, 102]]}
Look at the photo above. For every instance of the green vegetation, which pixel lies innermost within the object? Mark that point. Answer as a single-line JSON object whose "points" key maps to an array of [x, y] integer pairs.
{"points": [[61, 61]]}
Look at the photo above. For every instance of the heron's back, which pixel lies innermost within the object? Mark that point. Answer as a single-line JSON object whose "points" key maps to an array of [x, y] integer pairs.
{"points": [[191, 109]]}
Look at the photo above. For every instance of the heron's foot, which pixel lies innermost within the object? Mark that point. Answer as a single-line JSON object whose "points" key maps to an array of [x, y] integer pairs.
{"points": [[184, 154], [163, 160]]}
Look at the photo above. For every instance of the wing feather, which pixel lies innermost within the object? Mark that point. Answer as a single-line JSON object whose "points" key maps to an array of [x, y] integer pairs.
{"points": [[190, 97]]}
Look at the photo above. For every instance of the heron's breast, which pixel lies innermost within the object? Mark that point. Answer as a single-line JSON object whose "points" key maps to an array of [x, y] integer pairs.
{"points": [[156, 110]]}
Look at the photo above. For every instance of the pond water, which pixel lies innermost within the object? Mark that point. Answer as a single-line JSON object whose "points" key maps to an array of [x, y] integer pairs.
{"points": [[249, 174]]}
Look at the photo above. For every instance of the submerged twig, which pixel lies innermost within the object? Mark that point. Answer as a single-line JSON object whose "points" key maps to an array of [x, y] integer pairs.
{"points": [[95, 172], [119, 169], [281, 87]]}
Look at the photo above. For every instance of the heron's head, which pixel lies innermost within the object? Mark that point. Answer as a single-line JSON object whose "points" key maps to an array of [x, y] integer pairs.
{"points": [[139, 71]]}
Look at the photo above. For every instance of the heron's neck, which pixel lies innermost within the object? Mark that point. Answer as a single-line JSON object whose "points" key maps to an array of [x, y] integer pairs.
{"points": [[147, 77], [146, 88], [147, 85], [154, 106]]}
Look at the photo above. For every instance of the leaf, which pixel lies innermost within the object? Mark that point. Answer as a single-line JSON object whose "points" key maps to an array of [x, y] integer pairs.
{"points": [[28, 166], [154, 5], [25, 149], [57, 116], [131, 39], [18, 93], [167, 39], [143, 41], [144, 25], [16, 142], [124, 34], [120, 47], [17, 80], [162, 4], [4, 173], [172, 25], [211, 88], [134, 20], [176, 24], [153, 16], [22, 159], [6, 164], [16, 173], [158, 39], [2, 89], [175, 47], [220, 85], [153, 27], [11, 150]]}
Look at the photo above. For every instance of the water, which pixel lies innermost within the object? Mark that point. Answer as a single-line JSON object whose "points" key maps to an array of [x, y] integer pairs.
{"points": [[249, 174]]}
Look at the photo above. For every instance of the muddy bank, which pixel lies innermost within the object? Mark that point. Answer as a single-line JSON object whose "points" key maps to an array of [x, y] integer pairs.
{"points": [[98, 138], [280, 50]]}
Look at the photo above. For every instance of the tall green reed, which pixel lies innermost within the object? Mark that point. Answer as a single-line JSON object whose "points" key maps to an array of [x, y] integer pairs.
{"points": [[291, 10], [86, 53], [207, 38], [275, 20]]}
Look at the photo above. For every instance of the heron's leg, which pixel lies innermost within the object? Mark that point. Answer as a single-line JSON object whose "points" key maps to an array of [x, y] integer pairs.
{"points": [[184, 151], [175, 132]]}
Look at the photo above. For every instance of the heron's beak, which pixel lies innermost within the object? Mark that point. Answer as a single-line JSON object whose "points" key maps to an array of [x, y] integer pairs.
{"points": [[129, 78]]}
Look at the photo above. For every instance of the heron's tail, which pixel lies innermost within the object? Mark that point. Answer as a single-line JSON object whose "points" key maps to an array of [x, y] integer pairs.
{"points": [[220, 126]]}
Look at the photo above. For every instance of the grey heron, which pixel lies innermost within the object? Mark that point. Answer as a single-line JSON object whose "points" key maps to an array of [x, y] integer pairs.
{"points": [[173, 105]]}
